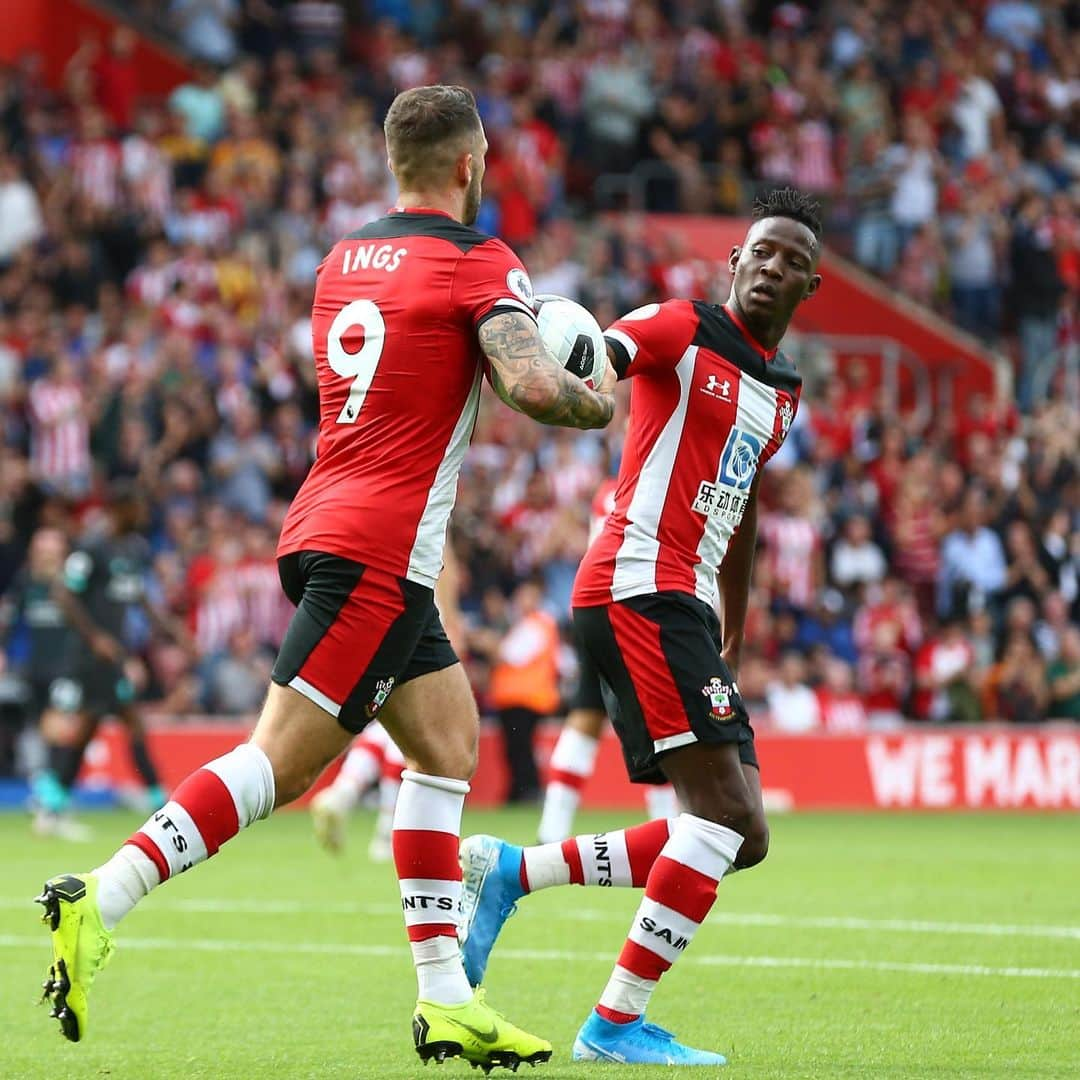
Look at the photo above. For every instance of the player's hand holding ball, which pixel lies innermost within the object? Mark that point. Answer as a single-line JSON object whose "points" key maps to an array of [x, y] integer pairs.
{"points": [[575, 340]]}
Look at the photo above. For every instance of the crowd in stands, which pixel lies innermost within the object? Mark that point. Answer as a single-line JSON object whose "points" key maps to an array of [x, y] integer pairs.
{"points": [[156, 271]]}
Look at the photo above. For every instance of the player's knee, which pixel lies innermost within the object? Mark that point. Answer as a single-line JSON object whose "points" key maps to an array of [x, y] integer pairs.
{"points": [[734, 808], [755, 845], [291, 782], [454, 755]]}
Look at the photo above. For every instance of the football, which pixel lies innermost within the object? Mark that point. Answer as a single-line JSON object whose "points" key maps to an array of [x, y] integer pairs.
{"points": [[573, 337]]}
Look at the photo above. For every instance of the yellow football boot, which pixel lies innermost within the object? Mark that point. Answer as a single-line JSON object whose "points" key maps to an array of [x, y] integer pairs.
{"points": [[81, 948], [475, 1032]]}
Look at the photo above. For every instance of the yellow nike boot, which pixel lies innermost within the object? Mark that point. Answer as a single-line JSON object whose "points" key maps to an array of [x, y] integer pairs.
{"points": [[81, 948], [476, 1032]]}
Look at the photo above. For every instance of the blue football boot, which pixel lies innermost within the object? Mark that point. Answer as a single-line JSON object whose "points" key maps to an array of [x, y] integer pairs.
{"points": [[636, 1043], [490, 890]]}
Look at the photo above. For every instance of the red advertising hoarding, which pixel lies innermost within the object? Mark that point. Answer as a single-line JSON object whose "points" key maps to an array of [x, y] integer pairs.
{"points": [[913, 769]]}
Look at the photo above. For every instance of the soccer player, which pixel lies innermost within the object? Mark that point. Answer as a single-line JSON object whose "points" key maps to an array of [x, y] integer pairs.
{"points": [[574, 755], [712, 401], [103, 581], [409, 312], [36, 621]]}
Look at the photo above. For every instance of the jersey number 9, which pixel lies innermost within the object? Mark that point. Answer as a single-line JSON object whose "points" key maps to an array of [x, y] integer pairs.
{"points": [[359, 366]]}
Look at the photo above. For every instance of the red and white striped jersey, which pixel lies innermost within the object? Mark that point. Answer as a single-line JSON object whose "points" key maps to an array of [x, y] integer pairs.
{"points": [[792, 547], [397, 306], [709, 407], [95, 166], [59, 430]]}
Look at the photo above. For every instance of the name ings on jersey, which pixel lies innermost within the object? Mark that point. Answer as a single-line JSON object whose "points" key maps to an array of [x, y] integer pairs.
{"points": [[369, 257]]}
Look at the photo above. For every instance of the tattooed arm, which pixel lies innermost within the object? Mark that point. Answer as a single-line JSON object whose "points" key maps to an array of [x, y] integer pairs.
{"points": [[531, 381]]}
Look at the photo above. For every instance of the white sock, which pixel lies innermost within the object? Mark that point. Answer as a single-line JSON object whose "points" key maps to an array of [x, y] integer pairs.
{"points": [[426, 837], [122, 882], [557, 817], [439, 974], [545, 866], [205, 811], [572, 763], [660, 801]]}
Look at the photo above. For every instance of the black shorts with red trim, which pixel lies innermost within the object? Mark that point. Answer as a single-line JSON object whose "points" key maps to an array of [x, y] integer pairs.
{"points": [[587, 694], [358, 632], [665, 683]]}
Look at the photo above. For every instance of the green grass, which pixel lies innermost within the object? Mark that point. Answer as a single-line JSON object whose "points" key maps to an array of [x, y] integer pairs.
{"points": [[322, 986]]}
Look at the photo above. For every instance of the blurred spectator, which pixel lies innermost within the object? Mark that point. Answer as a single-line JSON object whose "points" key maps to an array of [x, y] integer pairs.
{"points": [[870, 187], [244, 462], [20, 211], [943, 677], [974, 236], [200, 104], [916, 527], [238, 680], [1029, 573], [827, 626], [856, 559], [917, 168], [60, 430], [793, 706], [1015, 688], [206, 27], [1035, 297], [525, 685], [793, 543], [972, 569], [616, 99], [975, 109], [841, 708], [1063, 675]]}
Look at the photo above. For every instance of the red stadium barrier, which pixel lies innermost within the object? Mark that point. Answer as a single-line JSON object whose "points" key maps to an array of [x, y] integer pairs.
{"points": [[917, 768]]}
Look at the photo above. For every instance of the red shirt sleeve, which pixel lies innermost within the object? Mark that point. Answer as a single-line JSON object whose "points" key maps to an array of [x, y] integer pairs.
{"points": [[652, 338], [490, 280]]}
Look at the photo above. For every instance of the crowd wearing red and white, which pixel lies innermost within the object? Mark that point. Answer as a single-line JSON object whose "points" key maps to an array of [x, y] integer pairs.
{"points": [[156, 266]]}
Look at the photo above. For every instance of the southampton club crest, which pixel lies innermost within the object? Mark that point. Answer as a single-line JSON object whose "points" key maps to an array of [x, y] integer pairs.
{"points": [[787, 414], [719, 694], [382, 692]]}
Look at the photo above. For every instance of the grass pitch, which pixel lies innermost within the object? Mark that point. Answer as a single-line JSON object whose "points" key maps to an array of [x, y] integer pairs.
{"points": [[865, 946]]}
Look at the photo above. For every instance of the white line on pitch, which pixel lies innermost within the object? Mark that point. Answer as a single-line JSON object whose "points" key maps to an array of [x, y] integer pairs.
{"points": [[11, 941], [726, 918], [905, 926]]}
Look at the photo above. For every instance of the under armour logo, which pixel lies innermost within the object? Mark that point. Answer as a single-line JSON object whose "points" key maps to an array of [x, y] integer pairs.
{"points": [[716, 388]]}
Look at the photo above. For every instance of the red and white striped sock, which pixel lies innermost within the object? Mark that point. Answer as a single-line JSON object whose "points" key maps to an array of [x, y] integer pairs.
{"points": [[572, 763], [427, 832], [623, 857], [680, 890], [211, 806]]}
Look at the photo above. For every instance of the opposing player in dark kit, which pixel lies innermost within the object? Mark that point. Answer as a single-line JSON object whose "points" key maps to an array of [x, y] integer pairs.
{"points": [[409, 313], [103, 582], [712, 401]]}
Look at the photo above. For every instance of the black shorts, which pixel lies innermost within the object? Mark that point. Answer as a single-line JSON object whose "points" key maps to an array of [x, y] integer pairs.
{"points": [[665, 683], [94, 688], [357, 633], [587, 695]]}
